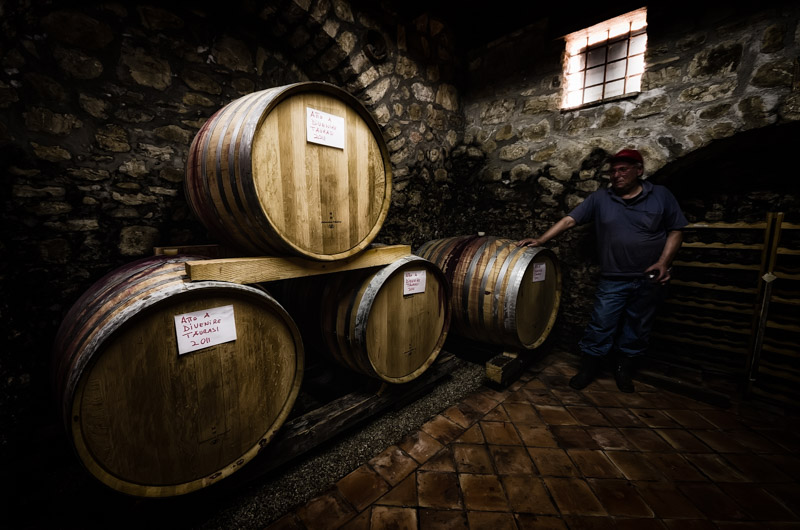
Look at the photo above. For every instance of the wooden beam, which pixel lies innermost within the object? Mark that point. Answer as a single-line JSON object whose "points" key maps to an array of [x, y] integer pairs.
{"points": [[265, 269]]}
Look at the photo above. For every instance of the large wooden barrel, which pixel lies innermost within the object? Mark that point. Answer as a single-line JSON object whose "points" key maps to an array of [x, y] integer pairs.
{"points": [[367, 321], [501, 294], [149, 421], [300, 169]]}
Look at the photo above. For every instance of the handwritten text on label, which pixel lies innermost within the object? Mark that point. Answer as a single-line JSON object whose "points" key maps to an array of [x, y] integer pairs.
{"points": [[201, 329]]}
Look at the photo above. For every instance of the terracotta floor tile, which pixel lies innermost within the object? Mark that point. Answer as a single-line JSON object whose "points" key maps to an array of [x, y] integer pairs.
{"points": [[496, 414], [594, 464], [684, 524], [665, 400], [490, 520], [473, 435], [500, 433], [522, 413], [573, 496], [754, 441], [404, 494], [757, 502], [540, 397], [712, 501], [552, 461], [536, 436], [621, 417], [482, 492], [479, 402], [471, 458], [443, 429], [603, 398], [788, 494], [574, 437], [655, 418], [462, 414], [589, 523], [555, 415], [438, 490], [393, 465], [715, 467], [722, 419], [327, 511], [527, 494], [441, 461], [634, 466], [589, 416], [620, 498], [645, 439], [788, 440], [683, 441], [720, 441], [526, 521], [511, 460], [788, 463], [420, 446], [442, 519], [673, 466], [757, 469], [496, 395], [744, 525], [638, 524], [567, 396], [393, 517], [608, 438], [362, 487], [667, 501], [535, 384], [360, 522], [689, 419], [636, 400]]}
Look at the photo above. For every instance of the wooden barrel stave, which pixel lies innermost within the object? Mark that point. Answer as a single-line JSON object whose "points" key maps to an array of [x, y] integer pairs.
{"points": [[148, 422], [364, 322], [259, 186], [493, 294]]}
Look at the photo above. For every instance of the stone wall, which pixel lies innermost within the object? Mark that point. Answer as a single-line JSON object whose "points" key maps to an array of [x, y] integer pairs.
{"points": [[100, 101], [709, 78]]}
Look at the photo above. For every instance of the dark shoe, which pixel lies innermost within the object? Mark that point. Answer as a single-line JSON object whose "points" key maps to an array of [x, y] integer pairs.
{"points": [[590, 366], [624, 375]]}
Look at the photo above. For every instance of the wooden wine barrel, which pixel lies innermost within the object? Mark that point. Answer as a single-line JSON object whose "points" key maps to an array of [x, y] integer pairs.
{"points": [[501, 294], [364, 321], [260, 180], [150, 422]]}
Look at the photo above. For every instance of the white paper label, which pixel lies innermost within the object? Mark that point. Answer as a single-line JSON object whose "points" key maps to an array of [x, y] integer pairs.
{"points": [[413, 282], [325, 129], [202, 329], [539, 272]]}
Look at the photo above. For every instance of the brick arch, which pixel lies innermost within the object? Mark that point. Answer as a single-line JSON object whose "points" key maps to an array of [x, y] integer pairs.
{"points": [[322, 37]]}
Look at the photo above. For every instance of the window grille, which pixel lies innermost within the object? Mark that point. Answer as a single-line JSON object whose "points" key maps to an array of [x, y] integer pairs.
{"points": [[606, 60]]}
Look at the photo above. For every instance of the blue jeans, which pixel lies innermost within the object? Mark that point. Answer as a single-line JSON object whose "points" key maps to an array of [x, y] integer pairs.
{"points": [[622, 318]]}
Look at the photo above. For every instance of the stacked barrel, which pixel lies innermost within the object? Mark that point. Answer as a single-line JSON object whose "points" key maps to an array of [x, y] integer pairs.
{"points": [[156, 409]]}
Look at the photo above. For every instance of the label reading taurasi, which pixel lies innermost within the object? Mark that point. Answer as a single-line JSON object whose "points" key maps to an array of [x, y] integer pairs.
{"points": [[539, 272], [413, 282], [201, 329], [324, 129]]}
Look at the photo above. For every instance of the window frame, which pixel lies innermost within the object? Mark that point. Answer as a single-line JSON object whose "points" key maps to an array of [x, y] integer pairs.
{"points": [[577, 60]]}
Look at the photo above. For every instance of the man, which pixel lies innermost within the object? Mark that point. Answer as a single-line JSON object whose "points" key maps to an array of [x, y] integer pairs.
{"points": [[638, 229]]}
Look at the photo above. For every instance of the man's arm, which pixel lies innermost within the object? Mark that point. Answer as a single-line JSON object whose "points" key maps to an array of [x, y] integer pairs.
{"points": [[671, 247], [564, 224]]}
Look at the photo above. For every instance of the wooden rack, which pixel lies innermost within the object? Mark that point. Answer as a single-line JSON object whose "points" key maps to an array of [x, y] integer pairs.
{"points": [[727, 326]]}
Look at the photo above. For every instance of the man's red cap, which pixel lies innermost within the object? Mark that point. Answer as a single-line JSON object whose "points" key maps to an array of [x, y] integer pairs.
{"points": [[628, 155]]}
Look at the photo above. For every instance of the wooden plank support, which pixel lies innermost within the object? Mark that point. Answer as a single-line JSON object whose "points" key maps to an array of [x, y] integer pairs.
{"points": [[317, 426], [265, 269]]}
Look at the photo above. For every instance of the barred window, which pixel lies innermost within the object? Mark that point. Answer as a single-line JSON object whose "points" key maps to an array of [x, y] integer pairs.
{"points": [[606, 60]]}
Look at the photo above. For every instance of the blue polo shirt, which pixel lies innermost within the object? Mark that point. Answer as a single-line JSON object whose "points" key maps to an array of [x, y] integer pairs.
{"points": [[630, 235]]}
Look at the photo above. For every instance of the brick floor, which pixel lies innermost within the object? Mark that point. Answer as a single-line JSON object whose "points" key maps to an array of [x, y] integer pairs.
{"points": [[540, 455]]}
